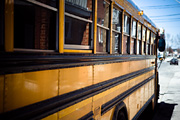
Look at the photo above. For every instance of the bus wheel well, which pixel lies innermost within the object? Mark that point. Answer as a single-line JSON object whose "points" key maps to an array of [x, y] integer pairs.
{"points": [[120, 112]]}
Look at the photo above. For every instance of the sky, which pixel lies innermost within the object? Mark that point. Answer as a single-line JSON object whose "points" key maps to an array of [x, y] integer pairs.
{"points": [[165, 14]]}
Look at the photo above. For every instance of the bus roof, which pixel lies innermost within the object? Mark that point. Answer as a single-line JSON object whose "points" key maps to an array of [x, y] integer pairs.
{"points": [[144, 15]]}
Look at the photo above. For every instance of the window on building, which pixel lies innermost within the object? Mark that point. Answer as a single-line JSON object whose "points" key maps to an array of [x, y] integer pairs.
{"points": [[102, 25], [78, 22], [126, 24], [134, 23], [35, 24], [116, 25]]}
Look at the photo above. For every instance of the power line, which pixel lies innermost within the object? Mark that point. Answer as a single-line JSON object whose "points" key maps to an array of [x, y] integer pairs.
{"points": [[168, 19], [157, 6], [165, 15], [161, 6]]}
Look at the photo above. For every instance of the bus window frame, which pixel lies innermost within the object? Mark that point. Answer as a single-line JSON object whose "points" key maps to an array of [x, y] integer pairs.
{"points": [[134, 36], [129, 17], [117, 32], [68, 47], [104, 28], [45, 6], [148, 44]]}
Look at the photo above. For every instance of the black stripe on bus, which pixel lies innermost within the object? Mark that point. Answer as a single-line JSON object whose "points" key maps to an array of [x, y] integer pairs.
{"points": [[19, 64], [88, 116], [143, 108], [115, 101], [44, 108]]}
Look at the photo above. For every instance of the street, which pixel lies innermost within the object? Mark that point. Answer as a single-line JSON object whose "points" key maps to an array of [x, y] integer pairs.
{"points": [[169, 100]]}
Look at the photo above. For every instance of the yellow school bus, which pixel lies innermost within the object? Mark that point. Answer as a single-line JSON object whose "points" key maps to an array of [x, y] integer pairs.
{"points": [[76, 59]]}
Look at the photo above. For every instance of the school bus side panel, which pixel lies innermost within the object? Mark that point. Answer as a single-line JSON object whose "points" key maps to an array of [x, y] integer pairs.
{"points": [[76, 111], [72, 79], [22, 89]]}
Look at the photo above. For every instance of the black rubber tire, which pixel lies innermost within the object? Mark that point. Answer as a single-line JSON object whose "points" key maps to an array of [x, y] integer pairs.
{"points": [[121, 115]]}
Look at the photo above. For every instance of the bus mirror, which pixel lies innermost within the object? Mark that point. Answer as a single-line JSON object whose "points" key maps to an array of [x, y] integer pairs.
{"points": [[161, 45]]}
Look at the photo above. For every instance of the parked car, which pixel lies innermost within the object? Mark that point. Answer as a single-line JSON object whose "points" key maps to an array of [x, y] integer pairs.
{"points": [[174, 61]]}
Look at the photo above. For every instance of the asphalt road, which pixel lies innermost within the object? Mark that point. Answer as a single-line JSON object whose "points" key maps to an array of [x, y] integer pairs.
{"points": [[169, 100]]}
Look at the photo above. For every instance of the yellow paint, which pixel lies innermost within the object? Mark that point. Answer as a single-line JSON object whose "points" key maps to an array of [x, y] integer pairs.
{"points": [[61, 25], [108, 115], [9, 25], [138, 98], [1, 92], [111, 17], [77, 51], [137, 65], [95, 26], [75, 78], [26, 88], [77, 108], [108, 71], [139, 79], [51, 117], [109, 94]]}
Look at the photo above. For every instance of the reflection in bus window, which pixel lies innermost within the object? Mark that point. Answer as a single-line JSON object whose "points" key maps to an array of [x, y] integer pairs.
{"points": [[144, 34], [134, 29], [115, 42], [126, 24], [148, 37], [103, 25], [34, 26], [138, 47], [52, 3], [78, 22], [116, 25], [139, 31]]}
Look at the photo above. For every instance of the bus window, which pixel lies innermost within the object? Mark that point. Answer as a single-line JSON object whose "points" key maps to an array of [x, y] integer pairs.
{"points": [[148, 42], [126, 24], [152, 41], [133, 35], [103, 25], [35, 25], [139, 39], [116, 25], [134, 28], [126, 41], [144, 40], [78, 21]]}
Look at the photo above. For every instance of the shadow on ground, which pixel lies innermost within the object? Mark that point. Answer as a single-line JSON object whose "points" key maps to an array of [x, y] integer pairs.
{"points": [[163, 111]]}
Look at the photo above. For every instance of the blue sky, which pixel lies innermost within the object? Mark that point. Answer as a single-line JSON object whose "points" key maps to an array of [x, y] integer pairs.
{"points": [[165, 14]]}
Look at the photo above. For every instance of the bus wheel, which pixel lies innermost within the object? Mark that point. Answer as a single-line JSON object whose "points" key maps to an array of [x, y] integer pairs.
{"points": [[121, 116], [120, 112]]}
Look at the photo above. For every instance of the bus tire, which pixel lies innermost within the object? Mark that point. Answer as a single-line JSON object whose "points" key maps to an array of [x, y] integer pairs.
{"points": [[121, 115], [120, 112]]}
